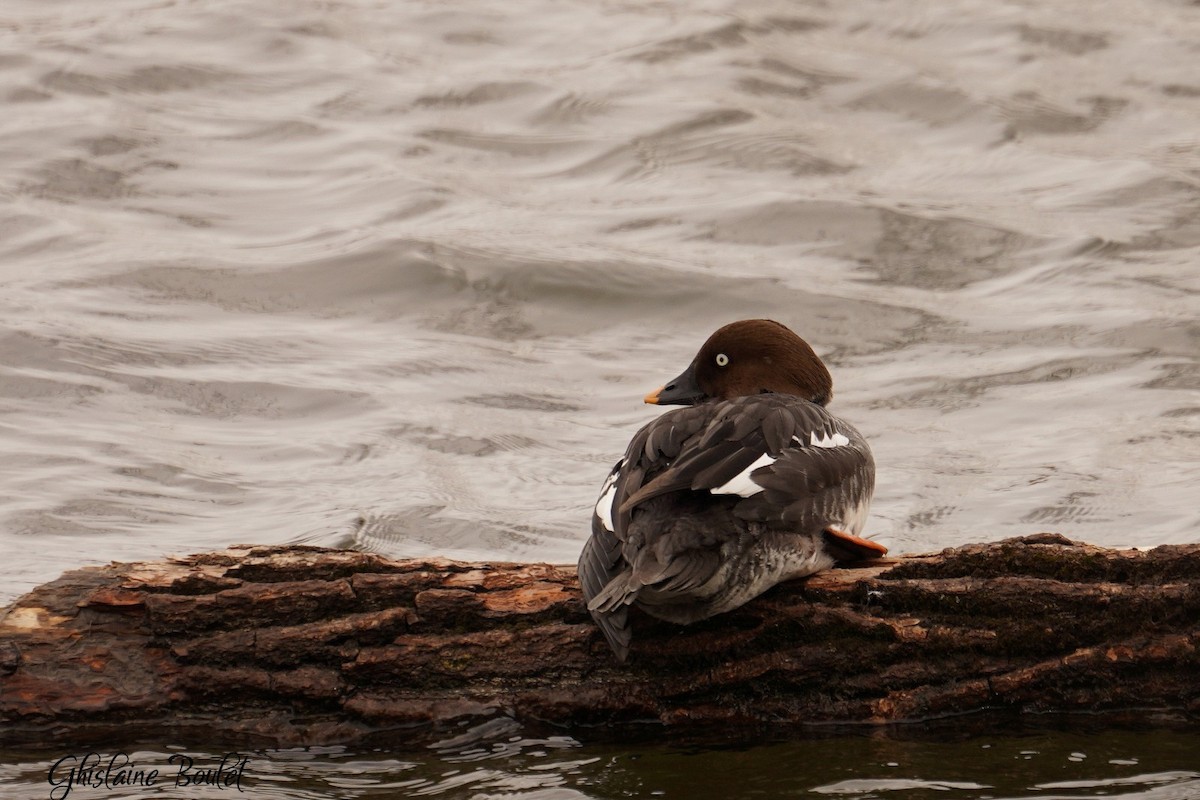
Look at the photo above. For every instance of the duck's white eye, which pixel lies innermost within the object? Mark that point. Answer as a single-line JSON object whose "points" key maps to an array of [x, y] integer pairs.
{"points": [[722, 359]]}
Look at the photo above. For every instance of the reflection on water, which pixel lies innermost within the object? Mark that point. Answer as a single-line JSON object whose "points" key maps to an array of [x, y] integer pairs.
{"points": [[396, 276], [499, 760]]}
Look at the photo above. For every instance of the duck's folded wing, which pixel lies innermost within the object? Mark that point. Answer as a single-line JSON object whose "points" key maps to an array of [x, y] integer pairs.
{"points": [[606, 564], [814, 487], [600, 560], [601, 565], [656, 444], [600, 569], [713, 450], [792, 462], [683, 572]]}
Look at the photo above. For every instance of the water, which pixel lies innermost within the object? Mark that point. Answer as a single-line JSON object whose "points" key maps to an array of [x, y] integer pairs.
{"points": [[395, 275], [503, 763]]}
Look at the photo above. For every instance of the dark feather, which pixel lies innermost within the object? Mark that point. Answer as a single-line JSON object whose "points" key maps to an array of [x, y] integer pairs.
{"points": [[669, 525]]}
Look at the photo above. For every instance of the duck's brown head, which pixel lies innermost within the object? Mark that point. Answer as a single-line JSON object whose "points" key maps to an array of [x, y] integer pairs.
{"points": [[749, 357]]}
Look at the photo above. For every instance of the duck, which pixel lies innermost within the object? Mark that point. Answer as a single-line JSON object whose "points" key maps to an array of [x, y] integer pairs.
{"points": [[752, 482]]}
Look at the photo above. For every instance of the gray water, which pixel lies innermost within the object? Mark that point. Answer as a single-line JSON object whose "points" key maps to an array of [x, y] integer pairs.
{"points": [[502, 762], [396, 275]]}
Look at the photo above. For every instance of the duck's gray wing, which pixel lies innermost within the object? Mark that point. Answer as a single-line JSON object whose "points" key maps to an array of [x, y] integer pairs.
{"points": [[600, 563], [606, 563], [791, 460]]}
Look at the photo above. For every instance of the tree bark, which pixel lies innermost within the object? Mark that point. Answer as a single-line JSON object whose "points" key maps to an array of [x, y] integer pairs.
{"points": [[302, 645]]}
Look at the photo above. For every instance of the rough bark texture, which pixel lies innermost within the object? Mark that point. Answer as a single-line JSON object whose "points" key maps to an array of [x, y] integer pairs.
{"points": [[301, 645]]}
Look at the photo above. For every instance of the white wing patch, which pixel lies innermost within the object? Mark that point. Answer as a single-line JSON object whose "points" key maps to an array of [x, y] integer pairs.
{"points": [[741, 484], [837, 440], [608, 493]]}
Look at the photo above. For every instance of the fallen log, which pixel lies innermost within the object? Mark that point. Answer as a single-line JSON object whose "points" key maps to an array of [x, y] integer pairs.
{"points": [[301, 645]]}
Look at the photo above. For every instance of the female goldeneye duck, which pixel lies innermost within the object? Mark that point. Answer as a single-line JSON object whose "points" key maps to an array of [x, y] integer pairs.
{"points": [[752, 483]]}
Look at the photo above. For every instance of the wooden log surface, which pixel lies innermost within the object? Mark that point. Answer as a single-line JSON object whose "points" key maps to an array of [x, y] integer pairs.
{"points": [[300, 645]]}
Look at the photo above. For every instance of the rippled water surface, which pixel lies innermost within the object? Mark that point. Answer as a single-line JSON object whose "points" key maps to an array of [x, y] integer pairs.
{"points": [[396, 275], [498, 761]]}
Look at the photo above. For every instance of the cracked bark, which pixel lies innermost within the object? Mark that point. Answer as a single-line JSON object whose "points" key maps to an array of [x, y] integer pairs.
{"points": [[301, 645]]}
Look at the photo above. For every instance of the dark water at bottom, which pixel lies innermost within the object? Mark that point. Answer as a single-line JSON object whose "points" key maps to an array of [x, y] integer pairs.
{"points": [[499, 759]]}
